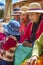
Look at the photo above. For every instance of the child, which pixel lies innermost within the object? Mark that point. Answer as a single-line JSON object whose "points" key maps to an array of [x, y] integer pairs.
{"points": [[11, 28], [7, 53]]}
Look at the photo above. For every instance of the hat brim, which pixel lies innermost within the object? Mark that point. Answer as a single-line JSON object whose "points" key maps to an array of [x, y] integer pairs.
{"points": [[18, 11], [15, 14], [9, 31], [37, 11]]}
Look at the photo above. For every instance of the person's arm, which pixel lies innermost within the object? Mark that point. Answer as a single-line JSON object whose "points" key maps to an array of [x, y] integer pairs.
{"points": [[36, 51], [26, 43], [37, 46]]}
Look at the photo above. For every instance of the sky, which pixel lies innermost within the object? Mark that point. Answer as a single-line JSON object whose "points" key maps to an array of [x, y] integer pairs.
{"points": [[13, 1]]}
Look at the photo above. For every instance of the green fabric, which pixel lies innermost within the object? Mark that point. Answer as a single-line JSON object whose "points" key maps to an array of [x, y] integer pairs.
{"points": [[21, 54], [38, 46]]}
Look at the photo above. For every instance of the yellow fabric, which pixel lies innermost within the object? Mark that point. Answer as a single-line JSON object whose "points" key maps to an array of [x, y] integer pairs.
{"points": [[37, 48], [24, 63], [39, 62]]}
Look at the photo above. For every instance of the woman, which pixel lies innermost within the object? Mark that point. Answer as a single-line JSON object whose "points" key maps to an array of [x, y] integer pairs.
{"points": [[35, 26], [23, 19]]}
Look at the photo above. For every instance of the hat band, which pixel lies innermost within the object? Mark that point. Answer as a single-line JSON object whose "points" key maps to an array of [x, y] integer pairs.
{"points": [[35, 9], [16, 10]]}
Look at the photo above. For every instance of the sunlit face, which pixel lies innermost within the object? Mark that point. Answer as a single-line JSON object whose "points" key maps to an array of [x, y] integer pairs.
{"points": [[23, 17], [10, 51], [34, 17]]}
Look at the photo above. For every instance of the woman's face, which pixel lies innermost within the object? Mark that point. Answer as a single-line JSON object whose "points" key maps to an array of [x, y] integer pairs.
{"points": [[17, 17], [23, 17], [34, 17]]}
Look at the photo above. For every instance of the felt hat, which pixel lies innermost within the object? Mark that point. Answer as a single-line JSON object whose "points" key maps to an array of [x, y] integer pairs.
{"points": [[35, 7], [23, 9], [16, 11]]}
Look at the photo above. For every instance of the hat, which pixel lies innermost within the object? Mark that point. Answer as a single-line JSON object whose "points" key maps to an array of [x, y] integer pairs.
{"points": [[2, 36], [9, 44], [15, 11], [35, 7], [23, 9], [12, 27]]}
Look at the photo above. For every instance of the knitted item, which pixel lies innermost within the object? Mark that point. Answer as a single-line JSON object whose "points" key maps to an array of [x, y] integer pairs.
{"points": [[2, 36], [9, 44]]}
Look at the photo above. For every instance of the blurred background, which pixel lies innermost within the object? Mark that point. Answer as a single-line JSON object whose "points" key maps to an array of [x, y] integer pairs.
{"points": [[7, 6]]}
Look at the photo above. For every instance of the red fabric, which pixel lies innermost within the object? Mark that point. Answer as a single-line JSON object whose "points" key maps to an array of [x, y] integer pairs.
{"points": [[22, 28], [23, 25], [9, 43], [2, 36], [28, 31]]}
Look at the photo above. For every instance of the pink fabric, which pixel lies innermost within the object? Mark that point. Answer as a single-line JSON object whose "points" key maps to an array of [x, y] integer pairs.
{"points": [[22, 28], [28, 31], [23, 25], [2, 36]]}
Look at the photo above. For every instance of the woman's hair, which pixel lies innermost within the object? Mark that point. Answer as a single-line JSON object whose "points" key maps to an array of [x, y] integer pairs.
{"points": [[41, 16]]}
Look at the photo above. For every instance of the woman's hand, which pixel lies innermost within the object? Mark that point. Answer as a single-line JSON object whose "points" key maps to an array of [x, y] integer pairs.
{"points": [[32, 61], [27, 44]]}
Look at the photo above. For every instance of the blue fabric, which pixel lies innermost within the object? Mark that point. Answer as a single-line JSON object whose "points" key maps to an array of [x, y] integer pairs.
{"points": [[32, 44], [14, 24], [12, 27], [0, 62], [7, 63], [14, 19], [16, 9]]}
